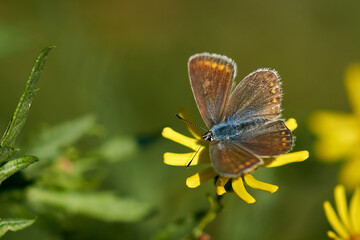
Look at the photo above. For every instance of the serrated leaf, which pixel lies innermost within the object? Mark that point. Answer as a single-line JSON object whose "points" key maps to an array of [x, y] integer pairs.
{"points": [[118, 148], [6, 153], [105, 206], [14, 225], [23, 107], [15, 165]]}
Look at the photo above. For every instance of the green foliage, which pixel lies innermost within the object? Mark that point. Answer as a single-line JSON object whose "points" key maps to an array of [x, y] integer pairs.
{"points": [[193, 224], [23, 107], [48, 143], [15, 165], [18, 120], [66, 179], [100, 205], [118, 148], [14, 225], [7, 150], [6, 153], [68, 175]]}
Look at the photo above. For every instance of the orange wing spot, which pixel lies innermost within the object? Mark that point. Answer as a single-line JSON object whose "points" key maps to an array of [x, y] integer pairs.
{"points": [[283, 139], [273, 91], [241, 166], [283, 144], [200, 63], [283, 133], [228, 70], [247, 163], [275, 100], [271, 84], [267, 78], [207, 63], [213, 66], [280, 149], [221, 67]]}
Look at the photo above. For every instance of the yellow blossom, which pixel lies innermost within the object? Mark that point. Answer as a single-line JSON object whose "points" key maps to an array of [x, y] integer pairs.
{"points": [[339, 133], [203, 157], [348, 226]]}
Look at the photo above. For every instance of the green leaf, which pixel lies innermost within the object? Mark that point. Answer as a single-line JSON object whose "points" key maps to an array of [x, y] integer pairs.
{"points": [[14, 225], [118, 148], [6, 153], [100, 205], [15, 165], [23, 107], [48, 143]]}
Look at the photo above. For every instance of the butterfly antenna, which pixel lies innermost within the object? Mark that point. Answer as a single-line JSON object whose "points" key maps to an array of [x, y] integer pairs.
{"points": [[185, 120], [197, 151]]}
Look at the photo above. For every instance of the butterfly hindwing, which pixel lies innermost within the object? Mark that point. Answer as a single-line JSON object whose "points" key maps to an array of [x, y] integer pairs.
{"points": [[211, 77], [268, 139], [231, 160], [257, 96]]}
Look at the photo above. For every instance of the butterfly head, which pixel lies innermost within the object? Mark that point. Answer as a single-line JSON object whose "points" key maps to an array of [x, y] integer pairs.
{"points": [[208, 136]]}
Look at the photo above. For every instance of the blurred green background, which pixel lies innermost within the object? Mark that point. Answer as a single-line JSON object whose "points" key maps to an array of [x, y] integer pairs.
{"points": [[126, 62]]}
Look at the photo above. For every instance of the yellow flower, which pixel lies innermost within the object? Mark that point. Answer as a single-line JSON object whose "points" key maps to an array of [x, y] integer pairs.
{"points": [[203, 157], [348, 226], [339, 133]]}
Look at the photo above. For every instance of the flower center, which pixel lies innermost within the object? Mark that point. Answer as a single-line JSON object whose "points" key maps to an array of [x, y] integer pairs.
{"points": [[354, 237]]}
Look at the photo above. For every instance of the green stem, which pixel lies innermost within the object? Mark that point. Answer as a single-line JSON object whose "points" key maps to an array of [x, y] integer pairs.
{"points": [[214, 209]]}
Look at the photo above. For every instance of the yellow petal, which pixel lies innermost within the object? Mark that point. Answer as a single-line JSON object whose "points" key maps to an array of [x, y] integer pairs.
{"points": [[355, 210], [239, 189], [352, 81], [331, 151], [331, 123], [291, 124], [333, 235], [341, 206], [179, 138], [204, 175], [256, 184], [334, 221], [182, 159], [220, 185], [349, 173], [285, 159], [338, 134], [192, 128]]}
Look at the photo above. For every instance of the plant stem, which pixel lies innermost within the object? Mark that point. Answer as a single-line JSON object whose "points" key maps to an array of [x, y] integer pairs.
{"points": [[214, 209]]}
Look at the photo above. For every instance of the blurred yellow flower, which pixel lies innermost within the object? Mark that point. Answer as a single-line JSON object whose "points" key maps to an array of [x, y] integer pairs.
{"points": [[348, 226], [339, 133], [203, 157]]}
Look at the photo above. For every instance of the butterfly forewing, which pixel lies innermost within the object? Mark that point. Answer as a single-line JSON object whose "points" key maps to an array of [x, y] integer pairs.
{"points": [[231, 160], [257, 96], [268, 139], [211, 78]]}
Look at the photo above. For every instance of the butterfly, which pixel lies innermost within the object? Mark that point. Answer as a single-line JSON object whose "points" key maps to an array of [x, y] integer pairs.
{"points": [[243, 119]]}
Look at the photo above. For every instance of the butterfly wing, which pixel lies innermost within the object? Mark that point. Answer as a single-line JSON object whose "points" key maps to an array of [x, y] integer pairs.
{"points": [[211, 77], [231, 160], [257, 96], [267, 139], [256, 100]]}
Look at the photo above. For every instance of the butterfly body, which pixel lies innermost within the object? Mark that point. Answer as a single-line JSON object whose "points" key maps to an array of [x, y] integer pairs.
{"points": [[232, 130], [242, 121]]}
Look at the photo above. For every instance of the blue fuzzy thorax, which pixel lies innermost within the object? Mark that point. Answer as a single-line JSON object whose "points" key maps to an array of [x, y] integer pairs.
{"points": [[232, 129]]}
